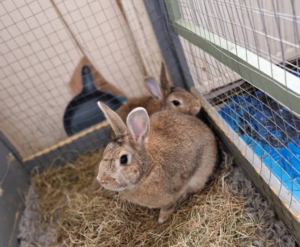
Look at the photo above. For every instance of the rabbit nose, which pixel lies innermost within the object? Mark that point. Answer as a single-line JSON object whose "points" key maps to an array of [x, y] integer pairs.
{"points": [[103, 182], [195, 110]]}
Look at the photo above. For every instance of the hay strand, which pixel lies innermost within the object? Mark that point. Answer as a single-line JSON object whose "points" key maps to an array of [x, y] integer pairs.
{"points": [[87, 215]]}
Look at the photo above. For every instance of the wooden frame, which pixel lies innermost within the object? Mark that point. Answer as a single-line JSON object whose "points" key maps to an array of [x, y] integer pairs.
{"points": [[96, 137]]}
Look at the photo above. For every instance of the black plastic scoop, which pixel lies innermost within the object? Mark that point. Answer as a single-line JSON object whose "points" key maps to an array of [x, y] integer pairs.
{"points": [[83, 112]]}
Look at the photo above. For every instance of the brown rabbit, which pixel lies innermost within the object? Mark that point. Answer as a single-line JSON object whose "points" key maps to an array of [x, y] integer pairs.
{"points": [[164, 97], [156, 162]]}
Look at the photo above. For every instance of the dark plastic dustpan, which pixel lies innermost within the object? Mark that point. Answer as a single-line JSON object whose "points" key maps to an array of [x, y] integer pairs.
{"points": [[83, 112]]}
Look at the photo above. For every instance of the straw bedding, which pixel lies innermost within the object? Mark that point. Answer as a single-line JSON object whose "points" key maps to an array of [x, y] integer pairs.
{"points": [[66, 207]]}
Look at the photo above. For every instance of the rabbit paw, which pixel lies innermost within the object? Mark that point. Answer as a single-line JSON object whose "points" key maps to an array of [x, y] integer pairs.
{"points": [[165, 213]]}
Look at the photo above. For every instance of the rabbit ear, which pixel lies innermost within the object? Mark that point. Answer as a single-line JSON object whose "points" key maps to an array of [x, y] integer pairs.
{"points": [[114, 120], [138, 124], [153, 87], [164, 80]]}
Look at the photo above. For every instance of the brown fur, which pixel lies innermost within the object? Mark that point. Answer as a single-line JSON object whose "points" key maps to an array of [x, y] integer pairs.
{"points": [[189, 103], [177, 157], [150, 103]]}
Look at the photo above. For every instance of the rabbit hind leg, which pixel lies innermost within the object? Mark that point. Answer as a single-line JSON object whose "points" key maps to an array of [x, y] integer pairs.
{"points": [[198, 180]]}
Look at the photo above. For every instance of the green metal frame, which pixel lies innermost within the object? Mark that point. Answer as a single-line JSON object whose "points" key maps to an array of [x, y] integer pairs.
{"points": [[273, 80]]}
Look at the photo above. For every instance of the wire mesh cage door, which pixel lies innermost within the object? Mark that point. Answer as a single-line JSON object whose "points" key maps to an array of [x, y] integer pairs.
{"points": [[244, 60], [57, 59]]}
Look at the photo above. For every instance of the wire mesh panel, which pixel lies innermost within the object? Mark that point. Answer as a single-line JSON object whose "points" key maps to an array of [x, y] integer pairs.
{"points": [[267, 28], [44, 43], [244, 56]]}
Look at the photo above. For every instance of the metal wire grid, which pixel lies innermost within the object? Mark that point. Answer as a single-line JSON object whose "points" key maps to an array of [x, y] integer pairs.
{"points": [[38, 56], [269, 29]]}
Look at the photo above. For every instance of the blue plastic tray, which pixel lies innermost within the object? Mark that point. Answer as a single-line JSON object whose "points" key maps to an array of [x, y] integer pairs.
{"points": [[271, 131]]}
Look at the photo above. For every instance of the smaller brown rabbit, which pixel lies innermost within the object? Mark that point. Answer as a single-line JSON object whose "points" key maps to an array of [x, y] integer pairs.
{"points": [[156, 162], [164, 97]]}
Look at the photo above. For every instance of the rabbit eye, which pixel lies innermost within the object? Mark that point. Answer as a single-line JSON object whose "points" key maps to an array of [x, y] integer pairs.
{"points": [[124, 159], [176, 102]]}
